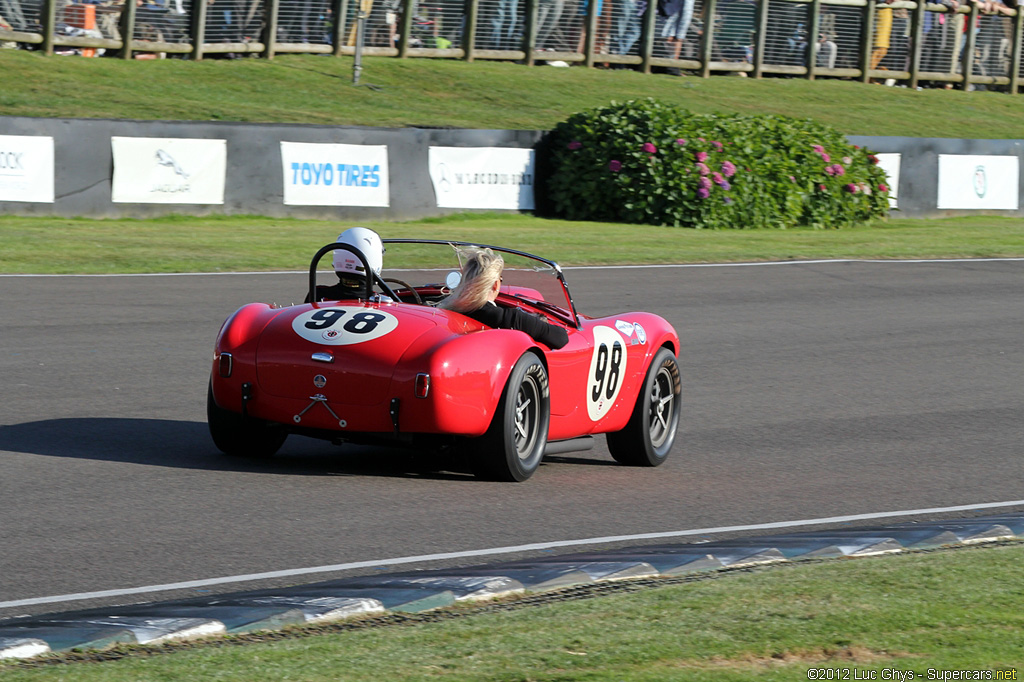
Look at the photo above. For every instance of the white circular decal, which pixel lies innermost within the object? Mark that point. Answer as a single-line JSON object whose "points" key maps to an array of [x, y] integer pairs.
{"points": [[344, 325], [607, 370]]}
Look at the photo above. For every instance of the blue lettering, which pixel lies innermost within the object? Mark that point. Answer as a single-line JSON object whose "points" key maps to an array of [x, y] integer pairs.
{"points": [[317, 169], [307, 174], [328, 174], [295, 172]]}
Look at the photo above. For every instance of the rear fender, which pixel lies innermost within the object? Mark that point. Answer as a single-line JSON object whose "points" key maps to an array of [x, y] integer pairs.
{"points": [[239, 336], [467, 376]]}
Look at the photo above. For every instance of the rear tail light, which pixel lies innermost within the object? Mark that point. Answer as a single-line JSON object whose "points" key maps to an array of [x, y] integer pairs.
{"points": [[225, 365], [422, 385]]}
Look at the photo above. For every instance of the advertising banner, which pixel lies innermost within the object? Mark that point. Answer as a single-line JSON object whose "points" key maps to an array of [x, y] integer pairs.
{"points": [[890, 163], [154, 170], [482, 177], [978, 182], [335, 174], [26, 168]]}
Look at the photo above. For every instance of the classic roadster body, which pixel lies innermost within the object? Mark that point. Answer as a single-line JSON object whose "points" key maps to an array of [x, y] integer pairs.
{"points": [[391, 366]]}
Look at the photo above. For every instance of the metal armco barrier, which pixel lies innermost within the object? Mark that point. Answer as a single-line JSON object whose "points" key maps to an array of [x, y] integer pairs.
{"points": [[898, 42]]}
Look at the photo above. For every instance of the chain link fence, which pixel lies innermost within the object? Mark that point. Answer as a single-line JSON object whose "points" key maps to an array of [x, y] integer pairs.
{"points": [[899, 42]]}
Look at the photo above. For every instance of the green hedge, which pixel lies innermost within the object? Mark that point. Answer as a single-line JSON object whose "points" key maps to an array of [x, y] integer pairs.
{"points": [[648, 162]]}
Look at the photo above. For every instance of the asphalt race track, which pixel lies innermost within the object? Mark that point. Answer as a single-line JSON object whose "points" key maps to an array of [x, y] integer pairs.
{"points": [[810, 390]]}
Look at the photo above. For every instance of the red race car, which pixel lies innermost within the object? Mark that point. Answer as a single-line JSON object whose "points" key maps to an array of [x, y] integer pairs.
{"points": [[390, 366]]}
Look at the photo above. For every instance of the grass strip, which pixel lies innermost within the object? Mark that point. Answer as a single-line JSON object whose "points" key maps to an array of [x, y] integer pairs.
{"points": [[244, 243], [317, 89], [948, 610]]}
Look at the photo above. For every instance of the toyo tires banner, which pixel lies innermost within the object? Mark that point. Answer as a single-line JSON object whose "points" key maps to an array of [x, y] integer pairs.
{"points": [[335, 174]]}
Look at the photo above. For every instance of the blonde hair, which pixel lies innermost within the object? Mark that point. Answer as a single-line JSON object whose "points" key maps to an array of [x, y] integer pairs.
{"points": [[480, 270]]}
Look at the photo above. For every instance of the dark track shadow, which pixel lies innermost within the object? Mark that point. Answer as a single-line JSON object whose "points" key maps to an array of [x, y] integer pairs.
{"points": [[181, 444]]}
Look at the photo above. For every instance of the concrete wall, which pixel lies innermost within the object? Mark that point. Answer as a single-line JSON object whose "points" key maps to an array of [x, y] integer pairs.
{"points": [[254, 183]]}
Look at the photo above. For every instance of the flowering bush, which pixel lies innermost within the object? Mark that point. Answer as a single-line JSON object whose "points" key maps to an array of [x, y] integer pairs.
{"points": [[647, 162]]}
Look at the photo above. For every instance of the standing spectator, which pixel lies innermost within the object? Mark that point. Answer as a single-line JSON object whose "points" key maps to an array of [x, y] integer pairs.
{"points": [[504, 19], [678, 15], [549, 12], [627, 25], [604, 19], [883, 34]]}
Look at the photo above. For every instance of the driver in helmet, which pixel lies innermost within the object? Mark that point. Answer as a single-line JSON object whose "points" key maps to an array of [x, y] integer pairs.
{"points": [[351, 276]]}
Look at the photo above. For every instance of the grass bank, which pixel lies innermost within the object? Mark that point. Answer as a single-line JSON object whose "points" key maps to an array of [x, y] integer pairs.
{"points": [[233, 243], [954, 610], [433, 92]]}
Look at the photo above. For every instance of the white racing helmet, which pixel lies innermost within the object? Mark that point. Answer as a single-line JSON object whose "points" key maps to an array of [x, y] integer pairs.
{"points": [[368, 243]]}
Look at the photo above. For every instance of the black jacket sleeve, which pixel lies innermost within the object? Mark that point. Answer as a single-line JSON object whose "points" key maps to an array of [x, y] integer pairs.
{"points": [[538, 329]]}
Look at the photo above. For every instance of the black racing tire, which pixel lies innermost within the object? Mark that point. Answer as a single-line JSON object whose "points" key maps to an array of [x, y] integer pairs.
{"points": [[651, 430], [238, 436], [513, 446]]}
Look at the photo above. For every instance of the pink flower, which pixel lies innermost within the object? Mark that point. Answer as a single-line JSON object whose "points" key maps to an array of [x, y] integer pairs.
{"points": [[614, 166], [724, 184], [818, 148], [717, 145], [822, 188], [825, 157], [852, 188], [703, 168], [700, 139], [702, 157], [717, 177], [728, 169], [883, 187], [830, 171], [574, 145], [703, 193], [704, 183], [847, 160], [650, 148], [681, 142], [792, 179], [838, 170]]}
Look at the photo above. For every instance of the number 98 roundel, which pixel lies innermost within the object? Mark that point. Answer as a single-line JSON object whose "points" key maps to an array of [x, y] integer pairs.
{"points": [[607, 370], [344, 325]]}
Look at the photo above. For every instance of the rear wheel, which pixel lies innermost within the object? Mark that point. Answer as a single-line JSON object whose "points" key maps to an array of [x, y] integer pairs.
{"points": [[651, 430], [238, 436], [513, 446]]}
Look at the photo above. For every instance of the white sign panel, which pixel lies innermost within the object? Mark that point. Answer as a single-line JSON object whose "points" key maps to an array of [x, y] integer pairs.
{"points": [[482, 177], [978, 182], [26, 168], [890, 163], [153, 170], [335, 174]]}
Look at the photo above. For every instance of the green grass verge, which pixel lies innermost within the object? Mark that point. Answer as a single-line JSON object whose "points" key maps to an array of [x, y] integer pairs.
{"points": [[243, 243], [940, 611], [434, 92]]}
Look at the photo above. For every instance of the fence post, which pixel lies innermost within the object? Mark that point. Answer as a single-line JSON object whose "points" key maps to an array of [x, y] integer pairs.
{"points": [[530, 32], [813, 28], [270, 8], [867, 41], [590, 21], [761, 29], [707, 38], [340, 10], [469, 36], [127, 28], [967, 65], [405, 30], [647, 38], [48, 18], [197, 26], [1018, 31], [916, 43]]}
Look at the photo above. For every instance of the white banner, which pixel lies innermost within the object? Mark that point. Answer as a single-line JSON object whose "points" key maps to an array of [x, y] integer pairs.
{"points": [[890, 163], [335, 174], [153, 170], [26, 168], [482, 177], [978, 182]]}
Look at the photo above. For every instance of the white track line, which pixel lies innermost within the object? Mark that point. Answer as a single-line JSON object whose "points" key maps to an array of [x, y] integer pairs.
{"points": [[570, 267], [495, 551]]}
